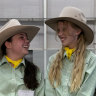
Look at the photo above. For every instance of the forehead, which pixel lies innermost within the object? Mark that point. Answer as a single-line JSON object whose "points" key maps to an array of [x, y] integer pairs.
{"points": [[21, 34], [64, 24]]}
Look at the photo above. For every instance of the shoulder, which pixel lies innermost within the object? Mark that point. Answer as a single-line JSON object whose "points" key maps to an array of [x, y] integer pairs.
{"points": [[3, 60], [90, 56], [53, 56], [90, 60], [51, 59]]}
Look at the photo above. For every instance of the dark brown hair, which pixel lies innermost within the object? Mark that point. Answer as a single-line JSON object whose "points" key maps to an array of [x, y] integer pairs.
{"points": [[30, 74]]}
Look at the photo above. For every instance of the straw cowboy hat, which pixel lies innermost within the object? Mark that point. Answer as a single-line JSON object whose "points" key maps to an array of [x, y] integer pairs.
{"points": [[75, 16], [13, 27]]}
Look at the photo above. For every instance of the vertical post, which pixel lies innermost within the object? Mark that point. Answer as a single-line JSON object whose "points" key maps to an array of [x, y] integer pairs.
{"points": [[45, 37], [95, 24]]}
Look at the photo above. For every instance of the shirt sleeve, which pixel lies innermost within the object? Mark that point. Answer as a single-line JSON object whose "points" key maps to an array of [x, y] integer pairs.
{"points": [[89, 83], [40, 90], [49, 90]]}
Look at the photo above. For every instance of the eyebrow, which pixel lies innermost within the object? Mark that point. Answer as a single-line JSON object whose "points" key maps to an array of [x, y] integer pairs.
{"points": [[23, 34]]}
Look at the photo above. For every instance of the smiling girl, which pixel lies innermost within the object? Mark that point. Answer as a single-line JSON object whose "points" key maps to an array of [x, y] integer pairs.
{"points": [[72, 70], [18, 76]]}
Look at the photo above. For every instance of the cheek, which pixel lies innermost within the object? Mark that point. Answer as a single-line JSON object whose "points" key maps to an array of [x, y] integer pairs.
{"points": [[17, 44], [72, 39], [72, 35]]}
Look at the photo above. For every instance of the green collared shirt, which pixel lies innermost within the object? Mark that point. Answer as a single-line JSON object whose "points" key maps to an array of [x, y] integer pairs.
{"points": [[89, 77], [11, 80]]}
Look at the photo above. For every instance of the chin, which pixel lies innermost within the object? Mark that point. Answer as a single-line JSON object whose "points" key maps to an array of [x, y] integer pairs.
{"points": [[26, 52], [64, 44]]}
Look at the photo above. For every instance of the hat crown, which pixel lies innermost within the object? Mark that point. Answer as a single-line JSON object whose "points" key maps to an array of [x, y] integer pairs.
{"points": [[72, 12], [10, 23]]}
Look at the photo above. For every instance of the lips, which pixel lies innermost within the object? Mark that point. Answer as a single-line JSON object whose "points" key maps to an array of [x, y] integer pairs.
{"points": [[62, 38], [26, 46]]}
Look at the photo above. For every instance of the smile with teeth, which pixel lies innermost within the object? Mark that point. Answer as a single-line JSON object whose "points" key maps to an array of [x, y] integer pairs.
{"points": [[25, 46], [62, 38]]}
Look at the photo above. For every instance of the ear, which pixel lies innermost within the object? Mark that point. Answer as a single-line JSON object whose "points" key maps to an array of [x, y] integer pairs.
{"points": [[8, 44], [78, 32]]}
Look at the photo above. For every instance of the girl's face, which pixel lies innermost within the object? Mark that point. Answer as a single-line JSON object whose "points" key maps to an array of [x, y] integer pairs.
{"points": [[19, 44], [67, 34]]}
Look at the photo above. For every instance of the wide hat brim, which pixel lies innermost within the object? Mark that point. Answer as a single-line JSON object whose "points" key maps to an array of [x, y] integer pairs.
{"points": [[88, 33], [31, 31]]}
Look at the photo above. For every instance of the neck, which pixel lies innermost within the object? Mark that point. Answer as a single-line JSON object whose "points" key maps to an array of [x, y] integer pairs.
{"points": [[72, 45], [14, 58]]}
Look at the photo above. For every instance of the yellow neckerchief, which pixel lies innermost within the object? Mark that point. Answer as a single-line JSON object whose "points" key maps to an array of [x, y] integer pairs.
{"points": [[69, 52], [15, 63]]}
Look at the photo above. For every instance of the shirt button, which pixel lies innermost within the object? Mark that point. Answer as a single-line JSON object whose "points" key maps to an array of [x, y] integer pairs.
{"points": [[12, 90], [65, 90], [66, 79], [13, 79]]}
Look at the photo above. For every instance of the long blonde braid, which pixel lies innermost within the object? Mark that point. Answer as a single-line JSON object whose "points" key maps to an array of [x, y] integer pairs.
{"points": [[55, 70], [78, 64]]}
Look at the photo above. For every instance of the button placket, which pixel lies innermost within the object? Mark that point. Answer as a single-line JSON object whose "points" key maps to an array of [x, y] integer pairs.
{"points": [[66, 73], [13, 80]]}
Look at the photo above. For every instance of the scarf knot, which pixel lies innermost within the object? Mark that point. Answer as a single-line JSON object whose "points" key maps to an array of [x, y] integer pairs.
{"points": [[15, 63], [69, 52]]}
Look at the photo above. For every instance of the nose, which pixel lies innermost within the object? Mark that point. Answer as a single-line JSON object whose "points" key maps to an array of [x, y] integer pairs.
{"points": [[60, 33], [26, 39]]}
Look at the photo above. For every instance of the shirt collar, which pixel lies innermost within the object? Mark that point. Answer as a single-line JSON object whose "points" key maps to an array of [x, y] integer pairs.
{"points": [[4, 60], [71, 58]]}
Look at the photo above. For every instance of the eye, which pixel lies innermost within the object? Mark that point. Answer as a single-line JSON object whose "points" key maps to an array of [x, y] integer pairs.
{"points": [[58, 30], [22, 37], [63, 29]]}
